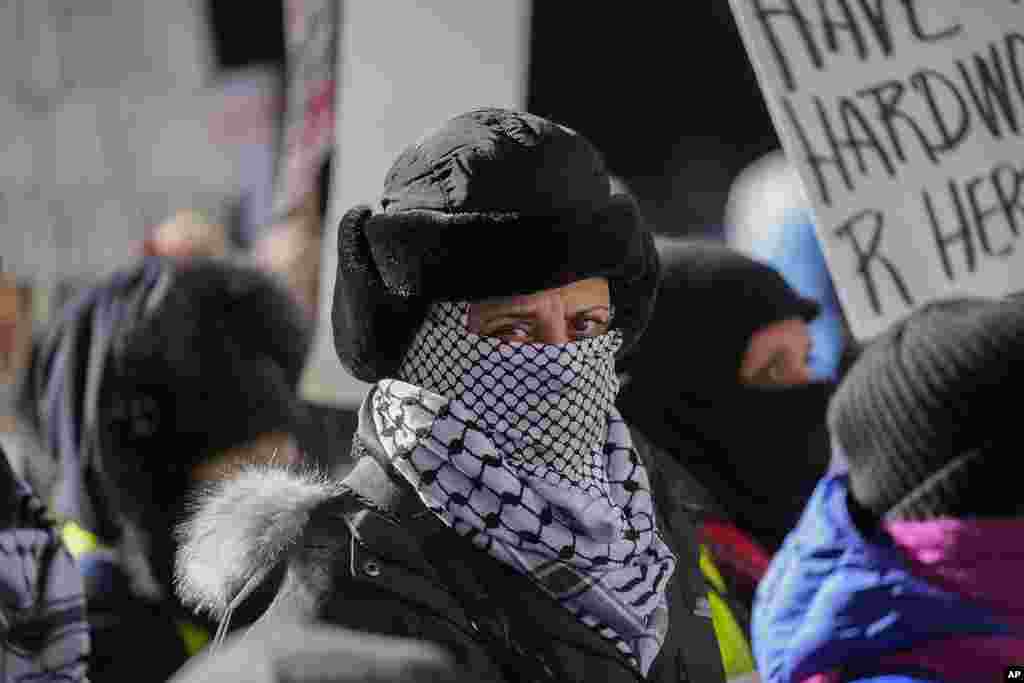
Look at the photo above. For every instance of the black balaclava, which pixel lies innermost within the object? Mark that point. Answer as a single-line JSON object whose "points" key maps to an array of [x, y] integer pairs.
{"points": [[149, 373], [758, 450]]}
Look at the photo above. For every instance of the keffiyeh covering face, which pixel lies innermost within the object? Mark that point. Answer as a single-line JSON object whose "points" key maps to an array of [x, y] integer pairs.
{"points": [[519, 447], [545, 406]]}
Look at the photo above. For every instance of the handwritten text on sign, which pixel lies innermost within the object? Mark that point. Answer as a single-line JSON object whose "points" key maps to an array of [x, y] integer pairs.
{"points": [[905, 119]]}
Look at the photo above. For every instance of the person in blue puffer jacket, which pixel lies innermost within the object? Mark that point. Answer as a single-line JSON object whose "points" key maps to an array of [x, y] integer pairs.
{"points": [[905, 567]]}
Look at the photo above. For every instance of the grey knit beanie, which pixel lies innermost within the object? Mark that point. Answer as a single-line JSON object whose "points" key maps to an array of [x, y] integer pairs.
{"points": [[926, 417]]}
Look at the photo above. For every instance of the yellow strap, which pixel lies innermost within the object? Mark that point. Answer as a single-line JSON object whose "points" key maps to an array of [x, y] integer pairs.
{"points": [[194, 637], [737, 657], [77, 540], [710, 571], [80, 541]]}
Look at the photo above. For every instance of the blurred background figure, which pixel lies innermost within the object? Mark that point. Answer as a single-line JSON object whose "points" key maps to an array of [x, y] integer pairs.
{"points": [[907, 567], [17, 437], [291, 250], [290, 243], [15, 348], [721, 380], [44, 635], [290, 253], [722, 383], [159, 378], [768, 218]]}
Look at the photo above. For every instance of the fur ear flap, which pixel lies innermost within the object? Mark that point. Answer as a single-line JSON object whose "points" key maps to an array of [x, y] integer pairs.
{"points": [[353, 248], [372, 324]]}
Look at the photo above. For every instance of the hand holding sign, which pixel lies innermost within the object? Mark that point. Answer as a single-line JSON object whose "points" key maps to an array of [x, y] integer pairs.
{"points": [[905, 121]]}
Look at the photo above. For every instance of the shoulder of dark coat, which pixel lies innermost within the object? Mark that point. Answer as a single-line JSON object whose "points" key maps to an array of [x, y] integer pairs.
{"points": [[679, 483], [241, 529]]}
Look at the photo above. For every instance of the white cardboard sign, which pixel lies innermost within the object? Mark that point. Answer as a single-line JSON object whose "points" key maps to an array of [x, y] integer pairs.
{"points": [[905, 120]]}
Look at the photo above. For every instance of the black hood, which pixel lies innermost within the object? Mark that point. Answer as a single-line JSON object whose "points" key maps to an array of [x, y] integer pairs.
{"points": [[758, 450]]}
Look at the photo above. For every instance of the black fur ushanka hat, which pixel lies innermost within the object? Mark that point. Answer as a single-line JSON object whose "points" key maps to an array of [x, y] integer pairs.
{"points": [[494, 203]]}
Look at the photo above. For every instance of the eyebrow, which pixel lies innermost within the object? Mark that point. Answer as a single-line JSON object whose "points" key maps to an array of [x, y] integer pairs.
{"points": [[591, 309], [525, 312]]}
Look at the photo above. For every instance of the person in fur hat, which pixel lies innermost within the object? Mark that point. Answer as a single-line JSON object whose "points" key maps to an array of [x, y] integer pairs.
{"points": [[161, 377], [904, 567], [498, 508]]}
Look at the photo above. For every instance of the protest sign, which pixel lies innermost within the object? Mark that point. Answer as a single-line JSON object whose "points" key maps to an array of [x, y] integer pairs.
{"points": [[905, 121]]}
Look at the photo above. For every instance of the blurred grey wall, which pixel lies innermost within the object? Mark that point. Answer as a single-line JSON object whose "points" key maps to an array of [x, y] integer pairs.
{"points": [[105, 108]]}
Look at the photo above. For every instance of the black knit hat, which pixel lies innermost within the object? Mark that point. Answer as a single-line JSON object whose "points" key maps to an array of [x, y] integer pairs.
{"points": [[926, 416], [494, 203], [225, 348], [157, 368]]}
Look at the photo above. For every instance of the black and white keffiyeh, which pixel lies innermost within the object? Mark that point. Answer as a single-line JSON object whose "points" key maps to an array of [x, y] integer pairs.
{"points": [[545, 406], [519, 448]]}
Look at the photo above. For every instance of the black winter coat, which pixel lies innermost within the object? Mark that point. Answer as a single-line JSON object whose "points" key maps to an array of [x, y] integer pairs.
{"points": [[367, 555]]}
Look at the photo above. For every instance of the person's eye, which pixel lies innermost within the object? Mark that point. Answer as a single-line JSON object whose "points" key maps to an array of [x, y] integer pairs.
{"points": [[778, 371], [589, 325], [773, 373], [515, 332]]}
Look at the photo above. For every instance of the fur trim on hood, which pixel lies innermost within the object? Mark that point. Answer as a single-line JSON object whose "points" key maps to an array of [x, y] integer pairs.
{"points": [[239, 530]]}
